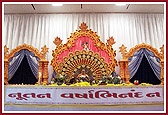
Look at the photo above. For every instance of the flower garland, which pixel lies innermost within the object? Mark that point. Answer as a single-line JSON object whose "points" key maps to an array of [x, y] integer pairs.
{"points": [[113, 79]]}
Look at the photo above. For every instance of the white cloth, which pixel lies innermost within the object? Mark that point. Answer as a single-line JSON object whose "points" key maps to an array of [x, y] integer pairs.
{"points": [[83, 76], [41, 29]]}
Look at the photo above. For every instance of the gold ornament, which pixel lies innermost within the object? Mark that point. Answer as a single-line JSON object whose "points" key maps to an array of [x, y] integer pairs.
{"points": [[83, 26], [57, 41], [44, 52], [123, 50], [97, 43], [162, 51], [111, 41]]}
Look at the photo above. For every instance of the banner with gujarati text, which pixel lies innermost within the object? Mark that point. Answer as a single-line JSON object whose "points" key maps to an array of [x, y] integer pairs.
{"points": [[84, 95]]}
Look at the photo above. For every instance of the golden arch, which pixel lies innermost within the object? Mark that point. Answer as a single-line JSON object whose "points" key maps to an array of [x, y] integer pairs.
{"points": [[41, 55], [84, 32], [36, 52], [81, 59], [145, 46]]}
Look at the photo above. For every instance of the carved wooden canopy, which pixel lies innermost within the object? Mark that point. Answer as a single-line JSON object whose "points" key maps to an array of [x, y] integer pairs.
{"points": [[131, 52], [84, 32], [41, 55], [124, 73], [82, 59]]}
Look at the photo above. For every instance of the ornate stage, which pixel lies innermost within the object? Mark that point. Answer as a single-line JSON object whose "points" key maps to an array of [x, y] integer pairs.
{"points": [[85, 58], [77, 97]]}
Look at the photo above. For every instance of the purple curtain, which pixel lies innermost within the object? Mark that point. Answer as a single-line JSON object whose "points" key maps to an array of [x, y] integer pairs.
{"points": [[135, 61], [15, 62]]}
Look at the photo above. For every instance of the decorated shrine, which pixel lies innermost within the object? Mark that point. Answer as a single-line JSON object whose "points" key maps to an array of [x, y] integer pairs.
{"points": [[84, 60], [99, 57], [84, 50]]}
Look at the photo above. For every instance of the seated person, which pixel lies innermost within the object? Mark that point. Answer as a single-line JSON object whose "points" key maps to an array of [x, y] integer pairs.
{"points": [[83, 74]]}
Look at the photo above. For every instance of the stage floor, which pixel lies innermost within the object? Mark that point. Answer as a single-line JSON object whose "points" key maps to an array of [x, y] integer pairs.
{"points": [[83, 98]]}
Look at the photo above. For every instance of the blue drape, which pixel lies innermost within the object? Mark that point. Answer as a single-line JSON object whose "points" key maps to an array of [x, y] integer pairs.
{"points": [[15, 62], [23, 74], [145, 73], [134, 62]]}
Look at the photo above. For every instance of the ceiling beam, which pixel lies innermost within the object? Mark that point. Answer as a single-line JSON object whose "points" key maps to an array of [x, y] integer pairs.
{"points": [[33, 7]]}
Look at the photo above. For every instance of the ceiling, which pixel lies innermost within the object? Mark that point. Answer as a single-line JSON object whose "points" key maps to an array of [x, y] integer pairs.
{"points": [[78, 8]]}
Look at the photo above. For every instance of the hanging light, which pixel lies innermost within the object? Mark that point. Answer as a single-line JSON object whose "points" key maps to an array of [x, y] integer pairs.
{"points": [[120, 4], [57, 4]]}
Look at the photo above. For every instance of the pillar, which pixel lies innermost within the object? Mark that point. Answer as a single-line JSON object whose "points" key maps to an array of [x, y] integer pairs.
{"points": [[121, 70], [6, 72], [45, 74], [162, 72], [41, 71], [127, 75]]}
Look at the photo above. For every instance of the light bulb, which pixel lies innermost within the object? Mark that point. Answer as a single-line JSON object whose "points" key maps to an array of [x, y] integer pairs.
{"points": [[120, 4], [57, 4]]}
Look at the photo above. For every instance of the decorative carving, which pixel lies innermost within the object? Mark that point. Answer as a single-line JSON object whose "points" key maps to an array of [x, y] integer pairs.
{"points": [[81, 59], [111, 41], [127, 75], [36, 52], [97, 42], [83, 26], [45, 73], [57, 41], [5, 51], [6, 72], [162, 72], [44, 52], [31, 49], [124, 71], [137, 48], [140, 46], [123, 51], [40, 77], [121, 71], [162, 51]]}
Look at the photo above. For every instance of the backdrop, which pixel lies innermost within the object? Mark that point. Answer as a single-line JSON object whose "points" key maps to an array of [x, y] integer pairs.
{"points": [[41, 29]]}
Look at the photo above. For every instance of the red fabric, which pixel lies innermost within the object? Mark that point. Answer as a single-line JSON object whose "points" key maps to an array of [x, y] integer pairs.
{"points": [[91, 46]]}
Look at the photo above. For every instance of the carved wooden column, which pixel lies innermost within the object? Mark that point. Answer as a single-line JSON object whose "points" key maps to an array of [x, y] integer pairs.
{"points": [[6, 62], [124, 71], [127, 75], [162, 72], [162, 64], [121, 70], [42, 62], [45, 74], [6, 72], [40, 71], [125, 61]]}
